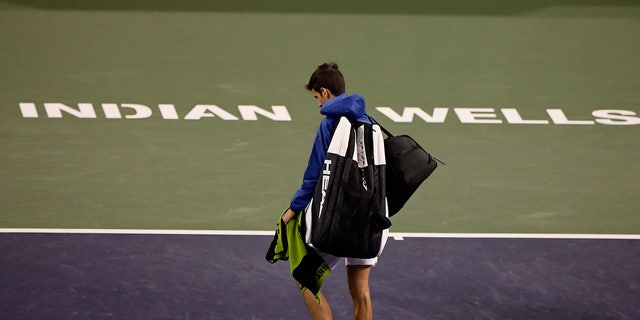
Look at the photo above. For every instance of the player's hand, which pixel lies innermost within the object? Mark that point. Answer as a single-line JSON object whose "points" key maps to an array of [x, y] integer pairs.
{"points": [[288, 215]]}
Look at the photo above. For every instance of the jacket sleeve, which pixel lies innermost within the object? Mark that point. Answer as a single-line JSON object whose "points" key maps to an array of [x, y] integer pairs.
{"points": [[321, 143]]}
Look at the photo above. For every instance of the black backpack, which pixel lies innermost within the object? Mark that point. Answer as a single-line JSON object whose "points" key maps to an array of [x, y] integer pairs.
{"points": [[408, 165]]}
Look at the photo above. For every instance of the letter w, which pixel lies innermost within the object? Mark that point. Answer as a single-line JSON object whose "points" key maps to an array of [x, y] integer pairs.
{"points": [[439, 114]]}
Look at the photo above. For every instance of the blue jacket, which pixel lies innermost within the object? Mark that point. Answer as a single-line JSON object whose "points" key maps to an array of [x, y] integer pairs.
{"points": [[352, 107]]}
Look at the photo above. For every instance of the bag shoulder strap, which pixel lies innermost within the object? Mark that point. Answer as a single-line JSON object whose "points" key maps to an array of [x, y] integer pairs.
{"points": [[373, 121]]}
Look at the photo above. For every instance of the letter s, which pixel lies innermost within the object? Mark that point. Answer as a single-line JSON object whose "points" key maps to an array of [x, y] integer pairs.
{"points": [[616, 117]]}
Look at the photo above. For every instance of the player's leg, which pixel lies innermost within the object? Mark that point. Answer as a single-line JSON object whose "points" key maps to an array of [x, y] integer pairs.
{"points": [[318, 311], [321, 310], [358, 277]]}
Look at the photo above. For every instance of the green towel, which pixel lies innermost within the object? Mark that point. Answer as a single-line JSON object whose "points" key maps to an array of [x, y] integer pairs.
{"points": [[307, 267]]}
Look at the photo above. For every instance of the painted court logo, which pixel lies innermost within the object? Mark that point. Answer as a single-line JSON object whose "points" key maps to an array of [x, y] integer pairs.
{"points": [[129, 111], [326, 175]]}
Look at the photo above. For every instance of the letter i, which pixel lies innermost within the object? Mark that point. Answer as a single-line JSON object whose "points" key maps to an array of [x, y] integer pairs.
{"points": [[28, 110]]}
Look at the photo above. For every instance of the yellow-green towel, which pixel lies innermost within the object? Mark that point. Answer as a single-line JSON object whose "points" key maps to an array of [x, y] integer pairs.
{"points": [[307, 267]]}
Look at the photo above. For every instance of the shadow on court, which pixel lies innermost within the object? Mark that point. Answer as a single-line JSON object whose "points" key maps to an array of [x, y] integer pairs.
{"points": [[106, 276]]}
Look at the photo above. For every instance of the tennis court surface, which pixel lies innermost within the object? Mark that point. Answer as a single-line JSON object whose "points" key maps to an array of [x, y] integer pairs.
{"points": [[183, 116], [136, 276]]}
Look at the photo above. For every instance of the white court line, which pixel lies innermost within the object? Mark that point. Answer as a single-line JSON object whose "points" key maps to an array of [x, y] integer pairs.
{"points": [[394, 235], [402, 235]]}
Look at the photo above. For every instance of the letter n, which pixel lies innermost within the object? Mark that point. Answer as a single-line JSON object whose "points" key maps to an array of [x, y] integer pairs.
{"points": [[279, 113], [85, 110]]}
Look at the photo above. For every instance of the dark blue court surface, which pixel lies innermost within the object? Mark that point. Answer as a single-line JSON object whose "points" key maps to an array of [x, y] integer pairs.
{"points": [[107, 276]]}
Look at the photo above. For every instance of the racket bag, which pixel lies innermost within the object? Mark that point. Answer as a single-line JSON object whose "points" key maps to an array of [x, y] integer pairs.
{"points": [[347, 216]]}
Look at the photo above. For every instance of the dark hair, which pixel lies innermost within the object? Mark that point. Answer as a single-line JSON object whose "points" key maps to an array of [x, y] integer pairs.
{"points": [[329, 77]]}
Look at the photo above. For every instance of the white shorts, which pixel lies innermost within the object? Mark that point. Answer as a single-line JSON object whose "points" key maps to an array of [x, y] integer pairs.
{"points": [[333, 261]]}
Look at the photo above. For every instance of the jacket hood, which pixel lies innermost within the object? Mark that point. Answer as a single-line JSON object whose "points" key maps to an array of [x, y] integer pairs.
{"points": [[350, 106]]}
